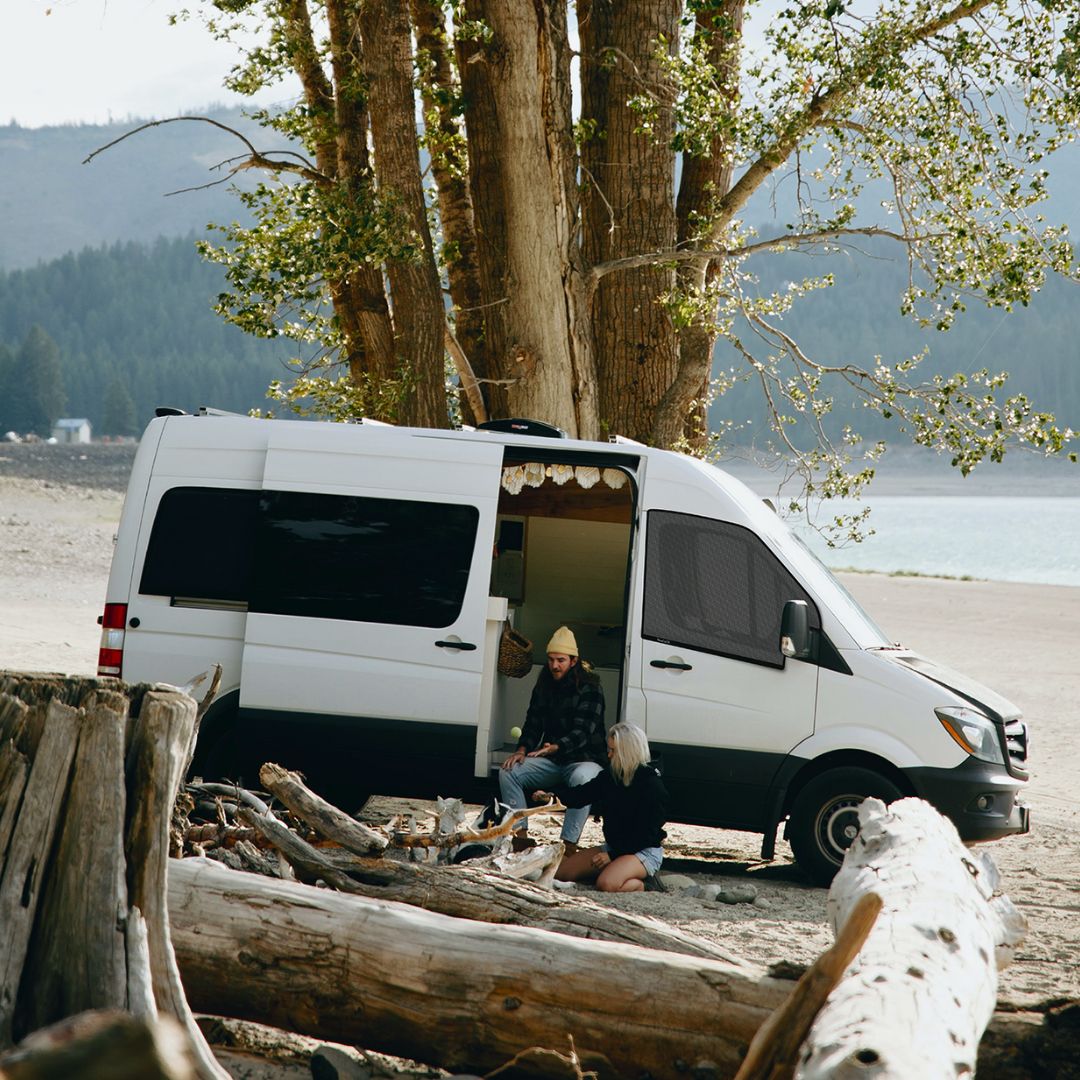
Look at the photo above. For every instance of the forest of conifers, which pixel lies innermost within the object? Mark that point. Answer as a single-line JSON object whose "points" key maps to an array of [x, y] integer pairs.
{"points": [[142, 313]]}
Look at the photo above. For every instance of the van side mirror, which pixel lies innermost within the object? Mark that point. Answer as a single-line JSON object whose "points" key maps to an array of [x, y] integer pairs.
{"points": [[795, 630]]}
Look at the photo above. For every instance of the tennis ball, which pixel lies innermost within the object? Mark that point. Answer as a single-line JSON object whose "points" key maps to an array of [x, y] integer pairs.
{"points": [[515, 733]]}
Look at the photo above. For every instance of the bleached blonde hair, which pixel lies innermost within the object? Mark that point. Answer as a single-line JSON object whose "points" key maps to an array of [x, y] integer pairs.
{"points": [[630, 749]]}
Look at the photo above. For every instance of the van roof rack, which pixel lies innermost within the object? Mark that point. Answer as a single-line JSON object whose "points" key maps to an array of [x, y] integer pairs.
{"points": [[522, 426]]}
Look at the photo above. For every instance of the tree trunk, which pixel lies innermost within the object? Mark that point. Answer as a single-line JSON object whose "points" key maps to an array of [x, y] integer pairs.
{"points": [[629, 204], [83, 922], [364, 972], [359, 297], [921, 992], [682, 414], [478, 63], [415, 289], [526, 147], [449, 166]]}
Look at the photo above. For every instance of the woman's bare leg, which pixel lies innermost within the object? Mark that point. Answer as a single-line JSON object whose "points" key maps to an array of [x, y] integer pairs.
{"points": [[579, 866], [624, 874]]}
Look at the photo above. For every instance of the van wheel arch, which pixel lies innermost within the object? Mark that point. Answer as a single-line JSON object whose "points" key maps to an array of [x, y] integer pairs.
{"points": [[821, 809]]}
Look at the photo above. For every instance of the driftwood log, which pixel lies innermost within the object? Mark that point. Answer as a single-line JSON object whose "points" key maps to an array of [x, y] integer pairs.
{"points": [[466, 892], [83, 850], [922, 990], [461, 994], [103, 1045]]}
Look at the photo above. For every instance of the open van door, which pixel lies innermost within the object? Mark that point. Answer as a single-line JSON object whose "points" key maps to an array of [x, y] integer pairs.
{"points": [[365, 633], [723, 705]]}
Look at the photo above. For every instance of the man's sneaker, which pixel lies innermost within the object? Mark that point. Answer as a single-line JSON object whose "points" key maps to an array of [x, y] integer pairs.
{"points": [[521, 843], [654, 884]]}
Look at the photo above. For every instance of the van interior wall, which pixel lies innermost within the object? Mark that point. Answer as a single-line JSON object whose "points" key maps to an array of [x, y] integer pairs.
{"points": [[576, 547]]}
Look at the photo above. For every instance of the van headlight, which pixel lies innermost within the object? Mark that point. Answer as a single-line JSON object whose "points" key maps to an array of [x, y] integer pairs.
{"points": [[975, 733]]}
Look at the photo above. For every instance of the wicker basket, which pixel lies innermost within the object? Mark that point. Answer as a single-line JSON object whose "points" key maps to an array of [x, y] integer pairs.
{"points": [[515, 653]]}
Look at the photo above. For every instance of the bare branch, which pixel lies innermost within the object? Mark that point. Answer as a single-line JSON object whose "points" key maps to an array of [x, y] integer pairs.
{"points": [[681, 255], [256, 159]]}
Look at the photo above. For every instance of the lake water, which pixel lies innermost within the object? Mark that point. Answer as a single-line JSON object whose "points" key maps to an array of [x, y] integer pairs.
{"points": [[1017, 524], [999, 538]]}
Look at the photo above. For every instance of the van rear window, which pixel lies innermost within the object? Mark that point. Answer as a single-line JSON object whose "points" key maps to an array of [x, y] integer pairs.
{"points": [[201, 545]]}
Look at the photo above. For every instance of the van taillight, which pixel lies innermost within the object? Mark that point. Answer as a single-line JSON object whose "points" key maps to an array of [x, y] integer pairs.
{"points": [[111, 653]]}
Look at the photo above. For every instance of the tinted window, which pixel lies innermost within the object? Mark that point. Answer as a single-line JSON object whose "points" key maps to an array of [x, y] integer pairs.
{"points": [[366, 560], [715, 587], [201, 545]]}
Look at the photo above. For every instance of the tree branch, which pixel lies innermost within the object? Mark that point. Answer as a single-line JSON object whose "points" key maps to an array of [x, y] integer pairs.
{"points": [[689, 254], [256, 159], [823, 103]]}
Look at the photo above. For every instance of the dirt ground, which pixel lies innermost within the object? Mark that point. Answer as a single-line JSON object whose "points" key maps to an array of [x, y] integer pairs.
{"points": [[56, 543]]}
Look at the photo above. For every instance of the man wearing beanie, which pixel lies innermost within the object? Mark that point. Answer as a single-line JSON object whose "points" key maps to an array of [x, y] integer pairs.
{"points": [[562, 742]]}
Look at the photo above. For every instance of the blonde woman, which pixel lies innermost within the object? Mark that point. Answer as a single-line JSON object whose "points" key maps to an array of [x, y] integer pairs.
{"points": [[632, 800]]}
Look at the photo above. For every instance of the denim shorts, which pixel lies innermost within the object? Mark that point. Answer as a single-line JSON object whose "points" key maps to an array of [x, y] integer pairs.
{"points": [[650, 857]]}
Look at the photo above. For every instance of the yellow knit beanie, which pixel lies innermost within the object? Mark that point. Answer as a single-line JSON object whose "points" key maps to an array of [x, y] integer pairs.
{"points": [[563, 641]]}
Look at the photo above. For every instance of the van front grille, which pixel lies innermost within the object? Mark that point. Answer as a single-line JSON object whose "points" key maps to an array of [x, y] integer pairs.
{"points": [[1016, 740]]}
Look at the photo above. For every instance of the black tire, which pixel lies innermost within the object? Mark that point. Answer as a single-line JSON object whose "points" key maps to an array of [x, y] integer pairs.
{"points": [[823, 820]]}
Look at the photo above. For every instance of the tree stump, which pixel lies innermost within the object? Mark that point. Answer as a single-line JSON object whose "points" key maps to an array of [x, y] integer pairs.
{"points": [[89, 771]]}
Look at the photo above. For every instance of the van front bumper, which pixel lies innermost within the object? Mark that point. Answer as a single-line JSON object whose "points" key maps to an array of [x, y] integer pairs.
{"points": [[982, 800]]}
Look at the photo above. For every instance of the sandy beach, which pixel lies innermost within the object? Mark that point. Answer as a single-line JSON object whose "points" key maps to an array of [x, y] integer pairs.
{"points": [[56, 541]]}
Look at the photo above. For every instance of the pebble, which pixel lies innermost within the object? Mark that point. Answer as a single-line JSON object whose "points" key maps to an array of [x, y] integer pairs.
{"points": [[738, 894], [678, 882]]}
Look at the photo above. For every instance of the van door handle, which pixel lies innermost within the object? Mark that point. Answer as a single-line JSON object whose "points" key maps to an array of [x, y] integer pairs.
{"points": [[671, 664], [464, 646]]}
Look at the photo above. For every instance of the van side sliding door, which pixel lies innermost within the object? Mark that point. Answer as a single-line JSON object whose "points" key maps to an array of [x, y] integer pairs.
{"points": [[364, 643]]}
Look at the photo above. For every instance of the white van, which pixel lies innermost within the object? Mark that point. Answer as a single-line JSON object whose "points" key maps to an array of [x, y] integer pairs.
{"points": [[353, 581]]}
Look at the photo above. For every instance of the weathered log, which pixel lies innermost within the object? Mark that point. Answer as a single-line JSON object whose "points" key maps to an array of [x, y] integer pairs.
{"points": [[324, 817], [461, 994], [14, 769], [23, 874], [922, 989], [772, 1053], [471, 893], [77, 960], [84, 843], [104, 1045], [156, 759]]}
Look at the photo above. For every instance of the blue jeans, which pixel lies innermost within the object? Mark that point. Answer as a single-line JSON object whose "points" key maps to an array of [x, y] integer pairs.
{"points": [[543, 774]]}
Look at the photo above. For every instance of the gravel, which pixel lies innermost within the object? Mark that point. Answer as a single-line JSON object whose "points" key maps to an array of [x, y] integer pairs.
{"points": [[104, 466]]}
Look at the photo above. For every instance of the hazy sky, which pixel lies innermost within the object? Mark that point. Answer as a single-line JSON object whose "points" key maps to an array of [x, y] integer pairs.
{"points": [[92, 60]]}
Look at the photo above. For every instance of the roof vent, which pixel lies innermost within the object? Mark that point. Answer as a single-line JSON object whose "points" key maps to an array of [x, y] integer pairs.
{"points": [[168, 410], [519, 426]]}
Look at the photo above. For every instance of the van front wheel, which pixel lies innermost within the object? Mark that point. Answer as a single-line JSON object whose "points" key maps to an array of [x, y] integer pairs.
{"points": [[824, 817]]}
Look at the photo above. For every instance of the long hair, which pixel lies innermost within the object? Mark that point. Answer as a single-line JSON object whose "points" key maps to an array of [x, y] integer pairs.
{"points": [[631, 749]]}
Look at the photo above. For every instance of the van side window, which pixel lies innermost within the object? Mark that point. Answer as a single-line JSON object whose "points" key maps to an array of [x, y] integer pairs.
{"points": [[201, 545], [395, 561], [715, 587]]}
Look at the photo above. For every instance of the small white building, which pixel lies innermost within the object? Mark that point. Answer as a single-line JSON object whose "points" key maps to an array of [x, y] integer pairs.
{"points": [[71, 431]]}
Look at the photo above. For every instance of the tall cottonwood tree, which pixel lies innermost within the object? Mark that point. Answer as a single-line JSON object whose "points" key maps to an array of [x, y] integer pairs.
{"points": [[594, 263]]}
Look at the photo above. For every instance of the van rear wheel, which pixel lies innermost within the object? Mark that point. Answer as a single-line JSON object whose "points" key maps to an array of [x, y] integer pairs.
{"points": [[824, 817]]}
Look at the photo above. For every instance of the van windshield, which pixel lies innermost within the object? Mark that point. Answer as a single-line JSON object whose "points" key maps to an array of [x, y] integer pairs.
{"points": [[854, 610]]}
